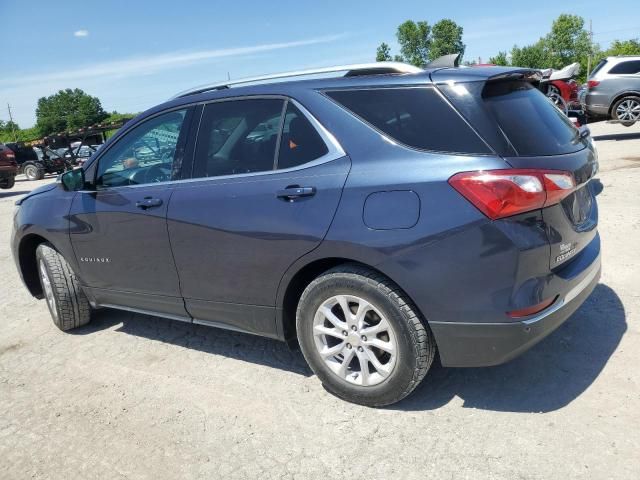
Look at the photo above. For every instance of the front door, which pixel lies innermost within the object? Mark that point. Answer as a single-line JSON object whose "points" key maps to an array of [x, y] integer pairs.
{"points": [[266, 186], [119, 231]]}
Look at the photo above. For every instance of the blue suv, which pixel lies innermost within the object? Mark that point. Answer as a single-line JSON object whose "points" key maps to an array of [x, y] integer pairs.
{"points": [[377, 216]]}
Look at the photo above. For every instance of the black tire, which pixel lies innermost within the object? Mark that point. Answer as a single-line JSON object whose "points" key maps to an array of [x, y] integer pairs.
{"points": [[614, 109], [69, 308], [415, 343], [33, 171], [8, 183]]}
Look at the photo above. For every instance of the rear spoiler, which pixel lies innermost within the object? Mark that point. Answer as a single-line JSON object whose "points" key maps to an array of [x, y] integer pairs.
{"points": [[528, 75]]}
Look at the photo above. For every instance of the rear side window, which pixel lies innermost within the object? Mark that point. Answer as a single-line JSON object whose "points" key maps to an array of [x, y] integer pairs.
{"points": [[238, 137], [300, 142], [627, 68], [416, 117], [533, 125]]}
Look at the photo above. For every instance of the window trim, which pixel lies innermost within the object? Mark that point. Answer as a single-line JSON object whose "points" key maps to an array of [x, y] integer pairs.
{"points": [[335, 150], [183, 137], [393, 141]]}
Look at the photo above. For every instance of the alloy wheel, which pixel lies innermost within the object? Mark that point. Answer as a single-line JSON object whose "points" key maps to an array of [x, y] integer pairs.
{"points": [[628, 110], [355, 340]]}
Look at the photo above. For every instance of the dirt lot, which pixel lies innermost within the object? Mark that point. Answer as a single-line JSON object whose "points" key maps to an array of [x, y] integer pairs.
{"points": [[140, 397]]}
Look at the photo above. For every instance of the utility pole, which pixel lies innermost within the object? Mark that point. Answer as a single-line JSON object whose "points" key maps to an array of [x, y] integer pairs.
{"points": [[590, 48], [13, 128]]}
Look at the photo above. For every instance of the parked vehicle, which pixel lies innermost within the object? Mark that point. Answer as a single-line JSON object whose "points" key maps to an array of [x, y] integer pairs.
{"points": [[8, 167], [561, 87], [392, 213], [613, 90], [33, 167]]}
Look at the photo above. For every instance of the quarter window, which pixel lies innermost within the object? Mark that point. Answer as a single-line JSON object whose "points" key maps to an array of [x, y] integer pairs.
{"points": [[146, 154], [417, 117], [628, 68]]}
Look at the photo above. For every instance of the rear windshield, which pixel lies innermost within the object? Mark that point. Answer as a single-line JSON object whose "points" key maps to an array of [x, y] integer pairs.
{"points": [[416, 117], [531, 123], [598, 67]]}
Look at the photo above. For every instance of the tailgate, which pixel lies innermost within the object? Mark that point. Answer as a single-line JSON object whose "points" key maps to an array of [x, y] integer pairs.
{"points": [[572, 223]]}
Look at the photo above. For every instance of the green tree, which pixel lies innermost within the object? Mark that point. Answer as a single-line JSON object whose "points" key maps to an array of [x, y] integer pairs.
{"points": [[415, 40], [446, 38], [623, 47], [67, 110], [568, 42], [499, 59], [531, 56], [383, 53]]}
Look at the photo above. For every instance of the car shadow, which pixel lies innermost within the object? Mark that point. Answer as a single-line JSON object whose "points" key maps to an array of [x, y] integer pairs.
{"points": [[617, 136], [12, 193], [241, 346], [546, 378]]}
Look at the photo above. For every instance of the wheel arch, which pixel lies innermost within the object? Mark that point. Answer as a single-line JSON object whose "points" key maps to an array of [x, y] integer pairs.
{"points": [[28, 262], [295, 283], [620, 96]]}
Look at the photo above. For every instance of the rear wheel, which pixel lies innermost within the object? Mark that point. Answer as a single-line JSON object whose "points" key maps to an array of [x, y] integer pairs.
{"points": [[33, 172], [67, 302], [627, 110], [363, 337]]}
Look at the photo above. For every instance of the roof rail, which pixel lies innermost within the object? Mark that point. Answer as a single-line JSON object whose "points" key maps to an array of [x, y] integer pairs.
{"points": [[351, 71]]}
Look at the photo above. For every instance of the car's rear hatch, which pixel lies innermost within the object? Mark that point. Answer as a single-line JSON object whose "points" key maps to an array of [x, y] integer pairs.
{"points": [[530, 133]]}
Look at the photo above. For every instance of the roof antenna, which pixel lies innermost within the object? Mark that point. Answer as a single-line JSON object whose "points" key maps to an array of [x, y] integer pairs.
{"points": [[445, 61]]}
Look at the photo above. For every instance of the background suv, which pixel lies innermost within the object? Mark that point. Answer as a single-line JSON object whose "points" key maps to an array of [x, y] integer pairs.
{"points": [[375, 218], [613, 90]]}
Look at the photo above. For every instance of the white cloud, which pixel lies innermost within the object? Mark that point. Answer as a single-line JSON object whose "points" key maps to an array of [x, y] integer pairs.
{"points": [[139, 66], [81, 33]]}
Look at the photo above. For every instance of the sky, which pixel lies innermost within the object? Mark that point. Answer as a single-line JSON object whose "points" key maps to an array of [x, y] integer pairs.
{"points": [[134, 54]]}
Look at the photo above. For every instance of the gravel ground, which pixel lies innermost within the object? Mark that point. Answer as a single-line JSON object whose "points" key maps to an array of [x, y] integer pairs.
{"points": [[132, 396]]}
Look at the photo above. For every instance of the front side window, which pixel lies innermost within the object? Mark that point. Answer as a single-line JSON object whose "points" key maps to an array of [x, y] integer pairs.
{"points": [[144, 155], [238, 136]]}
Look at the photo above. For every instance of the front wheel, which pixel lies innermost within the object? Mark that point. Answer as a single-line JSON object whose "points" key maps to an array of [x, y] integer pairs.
{"points": [[363, 337], [65, 298], [627, 110]]}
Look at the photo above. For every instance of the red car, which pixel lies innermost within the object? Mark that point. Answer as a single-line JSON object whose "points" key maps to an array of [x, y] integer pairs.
{"points": [[8, 167]]}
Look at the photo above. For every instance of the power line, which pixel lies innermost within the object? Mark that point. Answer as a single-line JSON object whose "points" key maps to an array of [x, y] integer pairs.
{"points": [[614, 31]]}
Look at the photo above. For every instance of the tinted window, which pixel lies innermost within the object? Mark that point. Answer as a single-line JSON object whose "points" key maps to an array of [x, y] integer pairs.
{"points": [[417, 117], [300, 142], [146, 154], [626, 67], [533, 125], [238, 136]]}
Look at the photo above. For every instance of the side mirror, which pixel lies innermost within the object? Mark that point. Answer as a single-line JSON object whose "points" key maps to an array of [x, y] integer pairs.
{"points": [[73, 180]]}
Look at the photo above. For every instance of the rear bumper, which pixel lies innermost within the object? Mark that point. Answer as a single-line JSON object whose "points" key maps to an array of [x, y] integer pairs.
{"points": [[486, 344]]}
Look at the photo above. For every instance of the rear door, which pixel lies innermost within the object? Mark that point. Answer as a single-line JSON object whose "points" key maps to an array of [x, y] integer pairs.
{"points": [[266, 183]]}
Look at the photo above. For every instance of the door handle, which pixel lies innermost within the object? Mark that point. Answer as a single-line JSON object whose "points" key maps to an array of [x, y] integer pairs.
{"points": [[295, 191], [148, 202]]}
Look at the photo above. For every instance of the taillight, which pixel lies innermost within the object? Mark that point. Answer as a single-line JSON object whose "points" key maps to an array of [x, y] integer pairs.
{"points": [[503, 193], [592, 83]]}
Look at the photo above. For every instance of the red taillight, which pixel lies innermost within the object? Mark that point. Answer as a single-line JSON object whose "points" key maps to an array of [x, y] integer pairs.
{"points": [[592, 83], [525, 312], [503, 193]]}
